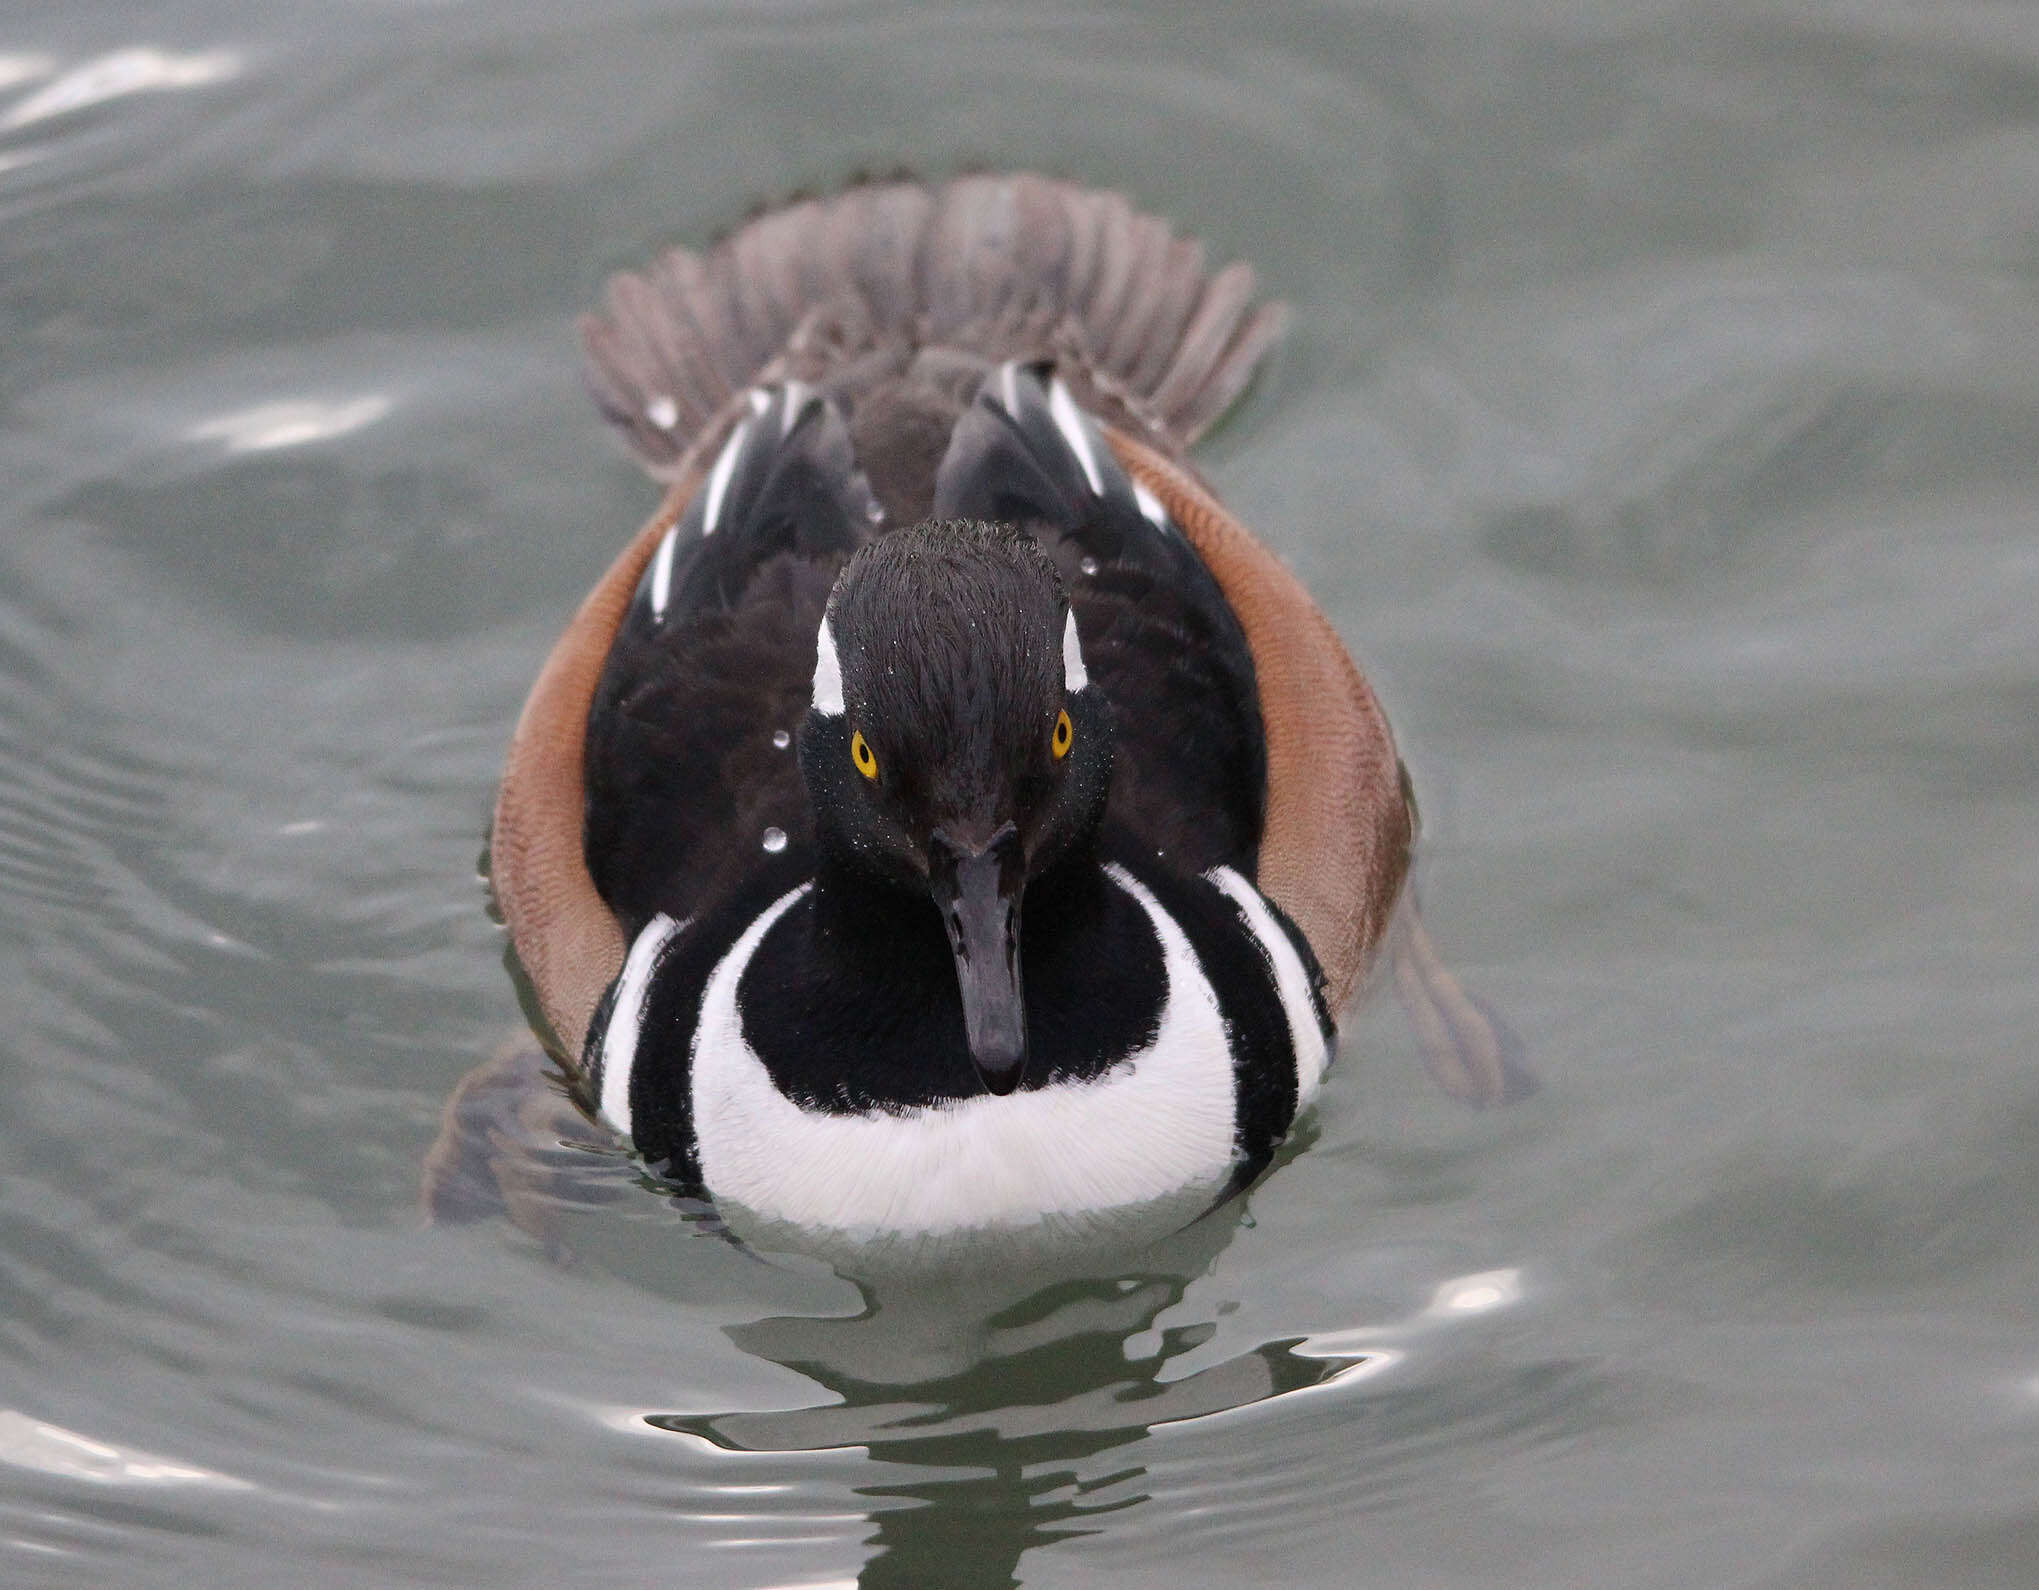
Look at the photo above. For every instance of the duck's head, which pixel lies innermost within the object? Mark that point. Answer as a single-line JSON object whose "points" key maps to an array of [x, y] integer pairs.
{"points": [[955, 748]]}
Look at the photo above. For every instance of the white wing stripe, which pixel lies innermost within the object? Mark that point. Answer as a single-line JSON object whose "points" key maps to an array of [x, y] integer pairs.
{"points": [[1075, 431], [718, 478], [662, 573], [1150, 506]]}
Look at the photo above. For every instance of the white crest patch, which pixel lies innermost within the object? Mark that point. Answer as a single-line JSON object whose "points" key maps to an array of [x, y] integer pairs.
{"points": [[1075, 676], [828, 674], [1075, 429], [1291, 981], [626, 1018], [1161, 1120]]}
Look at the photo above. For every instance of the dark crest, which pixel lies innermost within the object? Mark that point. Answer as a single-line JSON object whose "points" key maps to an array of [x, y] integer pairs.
{"points": [[950, 635]]}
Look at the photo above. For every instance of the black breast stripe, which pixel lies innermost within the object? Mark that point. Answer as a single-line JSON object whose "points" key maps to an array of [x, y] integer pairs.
{"points": [[1326, 1022], [662, 1077], [1256, 1027], [586, 1081]]}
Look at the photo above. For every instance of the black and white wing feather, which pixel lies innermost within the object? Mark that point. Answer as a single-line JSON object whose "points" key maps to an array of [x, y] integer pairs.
{"points": [[713, 663], [1156, 630]]}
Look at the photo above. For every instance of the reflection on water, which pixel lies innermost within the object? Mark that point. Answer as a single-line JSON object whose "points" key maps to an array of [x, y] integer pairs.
{"points": [[1032, 1397], [123, 72], [290, 423], [27, 1443]]}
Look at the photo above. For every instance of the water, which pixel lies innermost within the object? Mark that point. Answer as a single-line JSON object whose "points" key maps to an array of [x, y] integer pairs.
{"points": [[1661, 427]]}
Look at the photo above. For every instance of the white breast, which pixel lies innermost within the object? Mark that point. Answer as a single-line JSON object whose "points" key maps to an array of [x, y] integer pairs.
{"points": [[1160, 1121]]}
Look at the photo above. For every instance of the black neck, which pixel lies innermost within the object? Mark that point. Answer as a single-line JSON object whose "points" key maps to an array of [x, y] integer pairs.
{"points": [[858, 1005], [862, 916]]}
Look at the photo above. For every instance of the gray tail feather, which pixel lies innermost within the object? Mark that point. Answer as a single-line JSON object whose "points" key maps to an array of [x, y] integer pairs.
{"points": [[997, 267]]}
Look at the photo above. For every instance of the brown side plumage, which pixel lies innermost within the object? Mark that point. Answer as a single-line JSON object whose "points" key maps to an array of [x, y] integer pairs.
{"points": [[566, 939]]}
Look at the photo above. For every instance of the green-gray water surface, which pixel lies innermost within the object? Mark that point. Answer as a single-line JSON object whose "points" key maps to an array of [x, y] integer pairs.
{"points": [[1660, 426]]}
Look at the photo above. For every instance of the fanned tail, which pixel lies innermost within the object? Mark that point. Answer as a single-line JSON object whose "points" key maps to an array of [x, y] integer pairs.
{"points": [[994, 267]]}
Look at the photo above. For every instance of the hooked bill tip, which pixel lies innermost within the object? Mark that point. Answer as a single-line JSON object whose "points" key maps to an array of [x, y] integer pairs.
{"points": [[1000, 1072]]}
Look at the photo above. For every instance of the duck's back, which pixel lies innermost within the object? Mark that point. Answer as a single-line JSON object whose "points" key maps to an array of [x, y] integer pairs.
{"points": [[841, 368], [895, 301]]}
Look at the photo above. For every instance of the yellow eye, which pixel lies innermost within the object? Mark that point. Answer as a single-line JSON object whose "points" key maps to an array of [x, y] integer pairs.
{"points": [[862, 755], [1065, 733]]}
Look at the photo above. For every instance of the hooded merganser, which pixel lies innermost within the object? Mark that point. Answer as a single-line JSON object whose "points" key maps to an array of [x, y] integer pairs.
{"points": [[944, 817]]}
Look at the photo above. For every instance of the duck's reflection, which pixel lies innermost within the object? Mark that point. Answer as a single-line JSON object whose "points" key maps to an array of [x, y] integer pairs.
{"points": [[1002, 1404]]}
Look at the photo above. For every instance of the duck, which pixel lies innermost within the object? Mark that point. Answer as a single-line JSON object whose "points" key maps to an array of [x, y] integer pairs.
{"points": [[945, 819]]}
